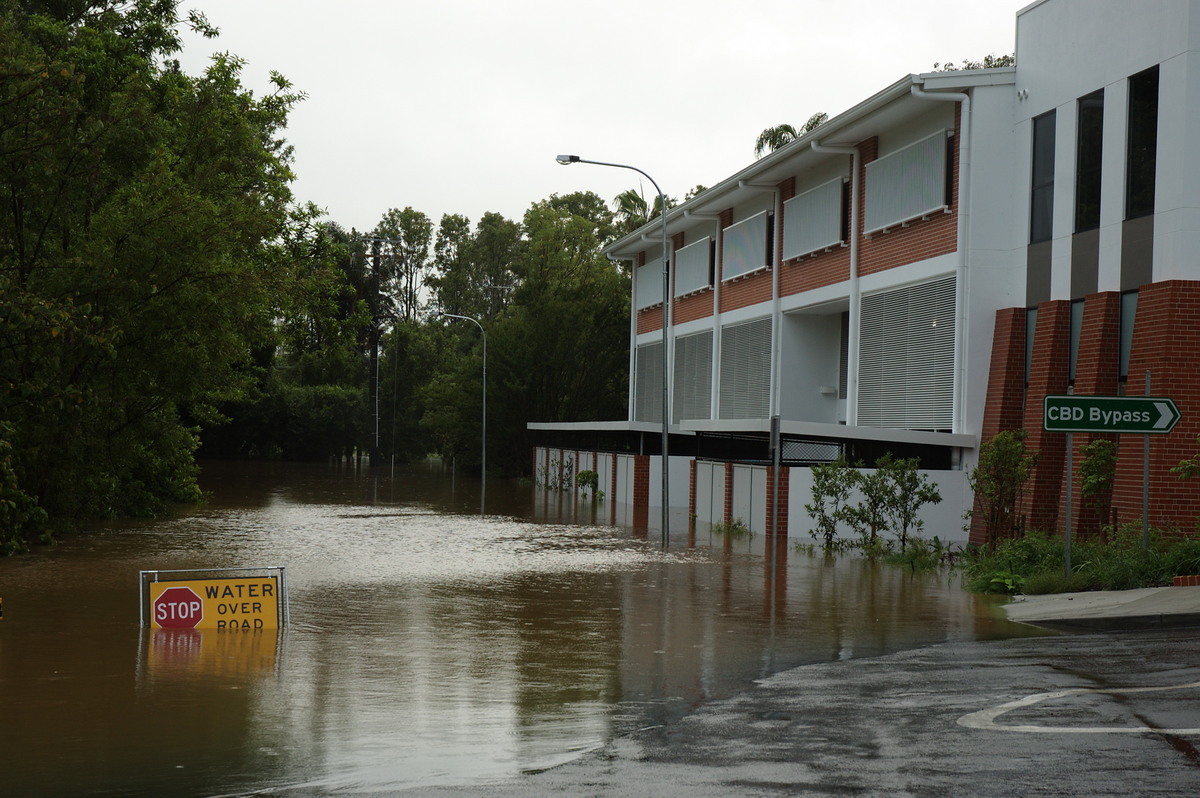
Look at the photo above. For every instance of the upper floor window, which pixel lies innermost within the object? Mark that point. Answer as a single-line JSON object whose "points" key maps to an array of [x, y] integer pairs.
{"points": [[814, 220], [1142, 142], [1089, 154], [908, 183], [746, 246], [1041, 200], [694, 267]]}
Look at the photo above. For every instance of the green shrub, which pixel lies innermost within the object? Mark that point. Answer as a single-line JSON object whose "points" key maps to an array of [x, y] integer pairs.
{"points": [[736, 528]]}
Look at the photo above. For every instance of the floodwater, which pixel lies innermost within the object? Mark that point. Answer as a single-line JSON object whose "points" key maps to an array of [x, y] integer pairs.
{"points": [[428, 644]]}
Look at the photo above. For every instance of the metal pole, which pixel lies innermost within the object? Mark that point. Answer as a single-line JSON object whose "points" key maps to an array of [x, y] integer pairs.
{"points": [[1071, 486], [666, 323], [1146, 481]]}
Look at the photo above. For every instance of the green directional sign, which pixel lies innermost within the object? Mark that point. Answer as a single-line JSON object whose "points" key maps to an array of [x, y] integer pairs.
{"points": [[1116, 414]]}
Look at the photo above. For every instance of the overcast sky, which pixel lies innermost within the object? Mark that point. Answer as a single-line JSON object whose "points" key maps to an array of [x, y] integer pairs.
{"points": [[459, 106]]}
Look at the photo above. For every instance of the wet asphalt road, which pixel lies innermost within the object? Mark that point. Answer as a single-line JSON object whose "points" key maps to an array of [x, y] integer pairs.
{"points": [[1046, 716]]}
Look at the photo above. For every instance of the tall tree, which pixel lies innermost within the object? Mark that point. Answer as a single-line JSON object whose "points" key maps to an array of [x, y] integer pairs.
{"points": [[773, 138], [139, 255]]}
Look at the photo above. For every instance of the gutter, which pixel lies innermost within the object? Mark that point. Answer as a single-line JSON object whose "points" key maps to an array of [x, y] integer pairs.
{"points": [[961, 274], [855, 288]]}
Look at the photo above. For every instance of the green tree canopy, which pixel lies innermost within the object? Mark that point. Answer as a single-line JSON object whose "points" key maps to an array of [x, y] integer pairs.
{"points": [[141, 250]]}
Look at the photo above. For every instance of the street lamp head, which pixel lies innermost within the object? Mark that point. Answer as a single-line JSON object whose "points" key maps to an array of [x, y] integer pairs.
{"points": [[567, 160]]}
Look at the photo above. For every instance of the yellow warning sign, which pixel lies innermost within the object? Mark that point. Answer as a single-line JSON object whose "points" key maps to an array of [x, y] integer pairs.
{"points": [[236, 604]]}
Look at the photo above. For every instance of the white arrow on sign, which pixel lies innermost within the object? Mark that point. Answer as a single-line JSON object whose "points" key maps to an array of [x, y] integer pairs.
{"points": [[1165, 415]]}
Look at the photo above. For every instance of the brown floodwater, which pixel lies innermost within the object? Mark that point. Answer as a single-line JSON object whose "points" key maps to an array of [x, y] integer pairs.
{"points": [[428, 644]]}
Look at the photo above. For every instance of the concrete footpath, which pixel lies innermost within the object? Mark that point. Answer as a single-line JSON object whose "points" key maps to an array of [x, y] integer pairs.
{"points": [[1103, 713]]}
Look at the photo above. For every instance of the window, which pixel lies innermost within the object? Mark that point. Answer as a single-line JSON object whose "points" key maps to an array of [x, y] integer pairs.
{"points": [[746, 370], [907, 184], [1088, 160], [813, 221], [693, 267], [906, 363], [692, 395], [649, 284], [1142, 143], [647, 399], [1128, 314], [1076, 333], [1041, 200], [746, 246]]}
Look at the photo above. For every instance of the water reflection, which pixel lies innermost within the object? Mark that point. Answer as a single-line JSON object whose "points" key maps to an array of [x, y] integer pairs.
{"points": [[428, 645]]}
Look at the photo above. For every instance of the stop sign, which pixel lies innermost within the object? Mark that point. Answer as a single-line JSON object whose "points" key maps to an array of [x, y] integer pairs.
{"points": [[178, 608]]}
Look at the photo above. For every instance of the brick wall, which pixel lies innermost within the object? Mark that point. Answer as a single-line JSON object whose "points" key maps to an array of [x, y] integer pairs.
{"points": [[784, 495], [1049, 372], [1097, 373], [1004, 406], [1166, 341], [641, 491]]}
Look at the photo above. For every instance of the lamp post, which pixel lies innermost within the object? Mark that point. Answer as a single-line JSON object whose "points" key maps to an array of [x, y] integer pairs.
{"points": [[483, 428], [567, 160]]}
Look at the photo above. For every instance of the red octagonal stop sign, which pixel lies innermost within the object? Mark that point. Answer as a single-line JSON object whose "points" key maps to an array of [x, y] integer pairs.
{"points": [[178, 608]]}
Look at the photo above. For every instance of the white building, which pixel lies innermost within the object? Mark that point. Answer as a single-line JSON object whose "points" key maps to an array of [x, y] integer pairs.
{"points": [[869, 283]]}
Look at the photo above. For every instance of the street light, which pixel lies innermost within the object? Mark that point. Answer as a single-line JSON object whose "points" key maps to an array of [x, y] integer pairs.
{"points": [[567, 160], [483, 430]]}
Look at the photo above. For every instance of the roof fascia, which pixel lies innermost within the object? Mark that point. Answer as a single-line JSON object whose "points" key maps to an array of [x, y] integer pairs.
{"points": [[719, 196]]}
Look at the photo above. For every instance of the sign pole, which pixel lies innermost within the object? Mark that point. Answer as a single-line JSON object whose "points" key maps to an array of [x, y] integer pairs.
{"points": [[1070, 490], [1146, 481]]}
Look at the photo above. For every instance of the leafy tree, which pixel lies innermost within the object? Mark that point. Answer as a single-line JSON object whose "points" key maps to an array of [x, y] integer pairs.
{"points": [[773, 138], [1005, 465], [403, 242], [910, 491], [139, 255], [1097, 472], [832, 484], [990, 61]]}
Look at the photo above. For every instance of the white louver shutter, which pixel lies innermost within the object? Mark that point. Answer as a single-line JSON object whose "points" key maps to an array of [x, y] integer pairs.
{"points": [[647, 398], [693, 377], [906, 362], [746, 370], [906, 184]]}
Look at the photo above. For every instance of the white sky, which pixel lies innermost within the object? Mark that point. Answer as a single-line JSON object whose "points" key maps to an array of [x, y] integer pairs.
{"points": [[459, 106]]}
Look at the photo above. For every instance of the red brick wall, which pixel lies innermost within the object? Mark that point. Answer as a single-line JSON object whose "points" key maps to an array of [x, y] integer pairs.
{"points": [[784, 493], [1097, 373], [1166, 341], [747, 291], [641, 491], [1004, 406], [1049, 373], [690, 308], [727, 514]]}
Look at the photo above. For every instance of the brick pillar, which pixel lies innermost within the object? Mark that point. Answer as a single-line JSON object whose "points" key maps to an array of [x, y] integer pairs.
{"points": [[1049, 373], [727, 514], [641, 491], [691, 490], [1097, 373], [784, 474], [1004, 407], [1166, 341]]}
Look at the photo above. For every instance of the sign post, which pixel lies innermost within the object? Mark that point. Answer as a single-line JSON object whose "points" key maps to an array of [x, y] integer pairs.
{"points": [[1113, 415], [1150, 415]]}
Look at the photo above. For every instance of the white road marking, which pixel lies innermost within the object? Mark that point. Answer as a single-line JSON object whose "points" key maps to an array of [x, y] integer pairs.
{"points": [[986, 718]]}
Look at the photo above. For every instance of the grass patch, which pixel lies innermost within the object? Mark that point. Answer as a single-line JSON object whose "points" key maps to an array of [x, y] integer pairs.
{"points": [[1035, 563]]}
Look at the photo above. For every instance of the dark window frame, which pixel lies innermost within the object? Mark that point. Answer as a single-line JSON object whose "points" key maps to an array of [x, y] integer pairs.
{"points": [[1141, 143], [1041, 193], [1089, 160]]}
